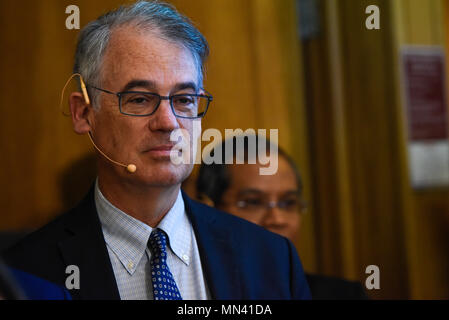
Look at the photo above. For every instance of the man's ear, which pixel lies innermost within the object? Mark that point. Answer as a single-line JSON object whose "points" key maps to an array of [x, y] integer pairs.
{"points": [[80, 111]]}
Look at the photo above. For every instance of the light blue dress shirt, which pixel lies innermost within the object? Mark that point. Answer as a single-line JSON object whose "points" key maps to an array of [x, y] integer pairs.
{"points": [[127, 238]]}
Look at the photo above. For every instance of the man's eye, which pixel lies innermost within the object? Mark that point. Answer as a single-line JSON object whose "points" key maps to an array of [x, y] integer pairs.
{"points": [[139, 100], [289, 203], [250, 202], [184, 101]]}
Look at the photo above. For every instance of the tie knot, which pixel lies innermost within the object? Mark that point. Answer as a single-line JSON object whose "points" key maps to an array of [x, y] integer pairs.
{"points": [[158, 243]]}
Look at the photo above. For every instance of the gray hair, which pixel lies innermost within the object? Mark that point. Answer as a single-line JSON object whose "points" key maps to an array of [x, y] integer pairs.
{"points": [[154, 16]]}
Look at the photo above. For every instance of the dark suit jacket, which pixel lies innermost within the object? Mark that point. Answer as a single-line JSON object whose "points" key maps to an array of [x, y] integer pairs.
{"points": [[331, 288], [240, 260]]}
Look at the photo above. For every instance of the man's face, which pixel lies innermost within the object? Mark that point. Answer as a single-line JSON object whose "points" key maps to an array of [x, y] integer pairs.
{"points": [[140, 61], [250, 192]]}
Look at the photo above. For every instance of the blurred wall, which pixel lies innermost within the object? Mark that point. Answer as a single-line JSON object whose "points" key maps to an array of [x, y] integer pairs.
{"points": [[366, 210], [425, 211]]}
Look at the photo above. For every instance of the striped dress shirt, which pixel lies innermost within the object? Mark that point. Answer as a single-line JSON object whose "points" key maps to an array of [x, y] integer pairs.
{"points": [[127, 238]]}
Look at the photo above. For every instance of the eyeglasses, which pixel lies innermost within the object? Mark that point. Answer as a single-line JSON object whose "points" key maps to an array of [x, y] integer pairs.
{"points": [[142, 104], [294, 204]]}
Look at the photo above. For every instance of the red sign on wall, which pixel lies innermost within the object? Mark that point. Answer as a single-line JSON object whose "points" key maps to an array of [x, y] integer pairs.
{"points": [[425, 94]]}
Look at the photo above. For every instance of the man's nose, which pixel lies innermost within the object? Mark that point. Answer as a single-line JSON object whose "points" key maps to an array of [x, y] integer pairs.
{"points": [[164, 119], [274, 216]]}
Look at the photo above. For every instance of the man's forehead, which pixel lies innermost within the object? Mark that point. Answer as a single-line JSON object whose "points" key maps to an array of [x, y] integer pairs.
{"points": [[139, 54], [141, 46], [152, 85]]}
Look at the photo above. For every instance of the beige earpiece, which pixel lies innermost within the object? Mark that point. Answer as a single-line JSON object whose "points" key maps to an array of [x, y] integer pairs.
{"points": [[83, 90]]}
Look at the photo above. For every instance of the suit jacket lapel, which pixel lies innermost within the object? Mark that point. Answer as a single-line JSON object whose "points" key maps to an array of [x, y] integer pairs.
{"points": [[86, 249], [217, 252]]}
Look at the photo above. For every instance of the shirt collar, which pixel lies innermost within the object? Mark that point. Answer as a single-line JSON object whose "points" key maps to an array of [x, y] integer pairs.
{"points": [[178, 229], [128, 237]]}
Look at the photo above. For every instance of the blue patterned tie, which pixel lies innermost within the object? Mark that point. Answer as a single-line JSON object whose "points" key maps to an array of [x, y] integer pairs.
{"points": [[164, 285]]}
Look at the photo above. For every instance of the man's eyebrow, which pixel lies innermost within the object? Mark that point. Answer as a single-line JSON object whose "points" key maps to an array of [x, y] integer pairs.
{"points": [[148, 84], [250, 191], [184, 86], [151, 85]]}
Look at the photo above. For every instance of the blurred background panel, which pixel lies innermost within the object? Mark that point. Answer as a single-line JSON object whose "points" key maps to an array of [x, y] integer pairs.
{"points": [[366, 210], [309, 68]]}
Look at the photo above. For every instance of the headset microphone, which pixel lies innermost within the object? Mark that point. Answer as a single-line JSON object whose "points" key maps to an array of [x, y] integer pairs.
{"points": [[131, 168]]}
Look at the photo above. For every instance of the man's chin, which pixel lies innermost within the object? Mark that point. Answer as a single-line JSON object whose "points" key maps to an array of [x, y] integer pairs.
{"points": [[166, 174]]}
